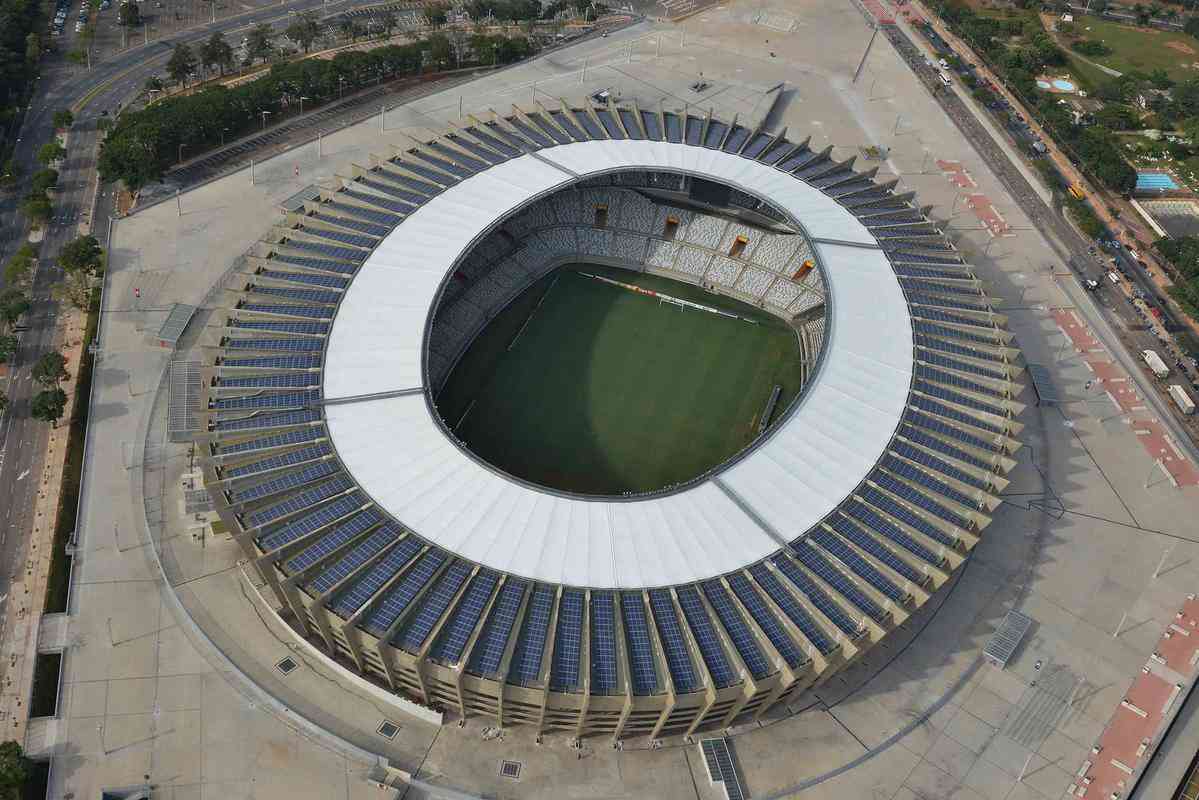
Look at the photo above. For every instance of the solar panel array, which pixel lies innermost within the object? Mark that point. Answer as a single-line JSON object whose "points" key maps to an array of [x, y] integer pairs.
{"points": [[865, 559]]}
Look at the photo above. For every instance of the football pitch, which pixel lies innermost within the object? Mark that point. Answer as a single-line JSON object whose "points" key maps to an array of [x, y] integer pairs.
{"points": [[587, 387]]}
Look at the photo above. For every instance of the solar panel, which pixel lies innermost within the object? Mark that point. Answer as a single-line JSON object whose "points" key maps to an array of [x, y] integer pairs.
{"points": [[674, 128], [849, 530], [940, 376], [285, 482], [642, 673], [311, 361], [736, 140], [933, 315], [547, 128], [309, 262], [421, 187], [930, 344], [288, 459], [910, 518], [282, 326], [293, 529], [917, 498], [489, 648], [858, 565], [652, 129], [693, 130], [311, 312], [721, 767], [816, 596], [409, 201], [457, 630], [342, 236], [310, 295], [393, 604], [937, 301], [936, 464], [358, 555], [330, 281], [1042, 384], [611, 127], [674, 645], [413, 634], [706, 637], [290, 380], [343, 534], [280, 344], [766, 620], [630, 123], [477, 149], [565, 122], [791, 607], [373, 579], [269, 400], [928, 406], [450, 154], [530, 645], [779, 149], [299, 502], [593, 130], [328, 250], [511, 138], [275, 440], [876, 522], [941, 393], [529, 132], [950, 333], [367, 220], [740, 634], [603, 643], [815, 561], [494, 142], [715, 133], [259, 421], [564, 668], [911, 472], [921, 438]]}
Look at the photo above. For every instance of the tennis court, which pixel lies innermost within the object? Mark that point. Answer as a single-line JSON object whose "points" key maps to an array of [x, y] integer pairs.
{"points": [[588, 387]]}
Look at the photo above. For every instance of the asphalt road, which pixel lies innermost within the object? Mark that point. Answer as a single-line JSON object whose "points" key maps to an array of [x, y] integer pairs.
{"points": [[1110, 311], [110, 84]]}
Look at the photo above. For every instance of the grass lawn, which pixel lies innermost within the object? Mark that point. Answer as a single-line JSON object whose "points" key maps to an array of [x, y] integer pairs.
{"points": [[1142, 49], [606, 391]]}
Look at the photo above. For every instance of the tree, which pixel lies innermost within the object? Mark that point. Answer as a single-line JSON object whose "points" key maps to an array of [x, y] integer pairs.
{"points": [[153, 84], [75, 288], [303, 31], [48, 405], [14, 766], [259, 43], [50, 369], [1191, 26], [82, 254], [44, 179], [129, 15], [63, 118], [1190, 129], [8, 347], [16, 272], [181, 64], [216, 52], [3, 402], [38, 207], [33, 48], [11, 172], [436, 15], [13, 303], [50, 152]]}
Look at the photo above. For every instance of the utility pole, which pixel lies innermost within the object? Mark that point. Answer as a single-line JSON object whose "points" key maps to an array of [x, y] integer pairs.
{"points": [[251, 172], [382, 119], [318, 145], [178, 203], [858, 72]]}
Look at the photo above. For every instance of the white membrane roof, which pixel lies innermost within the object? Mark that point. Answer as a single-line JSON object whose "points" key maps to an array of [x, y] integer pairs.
{"points": [[397, 452]]}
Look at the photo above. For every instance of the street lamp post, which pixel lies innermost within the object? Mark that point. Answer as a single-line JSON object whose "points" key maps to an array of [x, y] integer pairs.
{"points": [[181, 146], [223, 132], [265, 114], [341, 86], [302, 99]]}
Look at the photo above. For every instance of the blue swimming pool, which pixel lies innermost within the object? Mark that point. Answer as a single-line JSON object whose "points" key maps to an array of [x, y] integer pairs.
{"points": [[1151, 181]]}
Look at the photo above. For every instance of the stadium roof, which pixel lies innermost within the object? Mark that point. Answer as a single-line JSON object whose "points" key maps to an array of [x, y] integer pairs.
{"points": [[392, 444]]}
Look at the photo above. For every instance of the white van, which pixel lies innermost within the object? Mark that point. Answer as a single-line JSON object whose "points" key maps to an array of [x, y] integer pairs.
{"points": [[944, 64], [944, 78]]}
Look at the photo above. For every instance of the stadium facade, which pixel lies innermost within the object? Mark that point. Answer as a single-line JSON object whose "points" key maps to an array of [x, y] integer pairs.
{"points": [[698, 605]]}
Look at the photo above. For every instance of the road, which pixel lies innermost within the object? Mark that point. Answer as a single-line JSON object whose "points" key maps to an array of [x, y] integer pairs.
{"points": [[109, 85], [1108, 310]]}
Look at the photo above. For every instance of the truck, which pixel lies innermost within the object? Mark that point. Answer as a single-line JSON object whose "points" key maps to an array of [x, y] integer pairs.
{"points": [[1181, 399], [1155, 363]]}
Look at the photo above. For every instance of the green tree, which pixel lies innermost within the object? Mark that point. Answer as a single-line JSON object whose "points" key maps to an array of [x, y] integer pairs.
{"points": [[50, 369], [303, 30], [153, 84], [216, 52], [82, 254], [50, 152], [48, 405], [1191, 26], [10, 173], [8, 347], [129, 15], [14, 766], [44, 179], [13, 303], [260, 44], [63, 118], [3, 408], [436, 15], [38, 207], [181, 64], [19, 267], [33, 48]]}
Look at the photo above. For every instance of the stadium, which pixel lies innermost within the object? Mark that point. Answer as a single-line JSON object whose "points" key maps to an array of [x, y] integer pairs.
{"points": [[607, 420]]}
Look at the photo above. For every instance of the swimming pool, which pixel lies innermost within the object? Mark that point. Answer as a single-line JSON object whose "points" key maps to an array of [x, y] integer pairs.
{"points": [[1063, 85], [1151, 181], [1042, 84]]}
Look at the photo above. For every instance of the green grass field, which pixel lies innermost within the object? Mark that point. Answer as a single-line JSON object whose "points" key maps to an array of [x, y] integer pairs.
{"points": [[606, 391]]}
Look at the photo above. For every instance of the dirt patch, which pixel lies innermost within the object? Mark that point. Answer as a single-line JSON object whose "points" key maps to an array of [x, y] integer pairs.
{"points": [[1181, 47]]}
